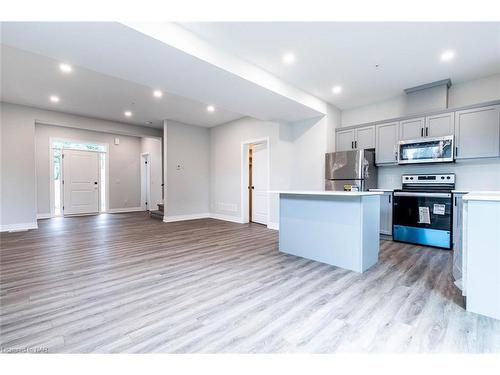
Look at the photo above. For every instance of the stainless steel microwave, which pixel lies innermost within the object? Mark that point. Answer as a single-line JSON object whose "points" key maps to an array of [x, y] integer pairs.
{"points": [[426, 150]]}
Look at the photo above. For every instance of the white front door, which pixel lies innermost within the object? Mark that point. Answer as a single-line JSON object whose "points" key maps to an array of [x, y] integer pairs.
{"points": [[259, 183], [81, 182]]}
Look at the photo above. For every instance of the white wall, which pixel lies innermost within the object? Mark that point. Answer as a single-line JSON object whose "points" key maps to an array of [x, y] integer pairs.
{"points": [[479, 174], [153, 146], [296, 152], [18, 179], [225, 156], [460, 94], [124, 165], [188, 170]]}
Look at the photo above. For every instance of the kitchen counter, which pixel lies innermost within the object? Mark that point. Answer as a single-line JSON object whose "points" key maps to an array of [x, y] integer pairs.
{"points": [[383, 190], [326, 192], [333, 227], [493, 196]]}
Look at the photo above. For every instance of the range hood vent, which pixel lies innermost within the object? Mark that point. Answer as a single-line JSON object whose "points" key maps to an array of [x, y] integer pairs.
{"points": [[428, 97]]}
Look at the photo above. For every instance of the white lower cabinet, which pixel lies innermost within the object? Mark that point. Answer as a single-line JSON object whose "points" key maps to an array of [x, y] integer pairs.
{"points": [[386, 213], [457, 237]]}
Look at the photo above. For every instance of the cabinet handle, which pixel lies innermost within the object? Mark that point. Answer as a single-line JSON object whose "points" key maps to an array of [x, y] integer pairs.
{"points": [[426, 132], [421, 132], [455, 201], [355, 144], [456, 151], [390, 196], [352, 144]]}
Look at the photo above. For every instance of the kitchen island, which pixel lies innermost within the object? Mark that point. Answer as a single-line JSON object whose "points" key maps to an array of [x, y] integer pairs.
{"points": [[334, 227], [481, 253]]}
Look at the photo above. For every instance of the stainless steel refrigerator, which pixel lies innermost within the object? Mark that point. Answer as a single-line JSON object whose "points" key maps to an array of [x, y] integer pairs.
{"points": [[350, 170]]}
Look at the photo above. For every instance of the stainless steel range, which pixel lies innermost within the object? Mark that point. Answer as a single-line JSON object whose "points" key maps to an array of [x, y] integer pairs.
{"points": [[423, 210]]}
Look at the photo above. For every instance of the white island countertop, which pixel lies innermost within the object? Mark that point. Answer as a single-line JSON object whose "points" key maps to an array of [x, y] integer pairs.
{"points": [[329, 192], [482, 196]]}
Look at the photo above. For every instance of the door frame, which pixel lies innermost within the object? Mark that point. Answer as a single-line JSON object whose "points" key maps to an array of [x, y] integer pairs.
{"points": [[244, 217], [146, 189], [51, 173]]}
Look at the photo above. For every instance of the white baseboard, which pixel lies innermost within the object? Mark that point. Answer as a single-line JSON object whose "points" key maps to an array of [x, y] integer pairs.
{"points": [[125, 209], [274, 226], [171, 219], [43, 216], [18, 227], [234, 219]]}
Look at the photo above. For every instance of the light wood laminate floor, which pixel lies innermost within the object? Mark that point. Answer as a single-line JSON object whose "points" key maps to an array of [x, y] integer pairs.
{"points": [[127, 283]]}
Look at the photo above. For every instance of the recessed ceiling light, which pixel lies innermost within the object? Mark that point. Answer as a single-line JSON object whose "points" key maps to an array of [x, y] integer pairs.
{"points": [[128, 113], [337, 89], [157, 94], [447, 55], [65, 68], [54, 99], [210, 108], [288, 58]]}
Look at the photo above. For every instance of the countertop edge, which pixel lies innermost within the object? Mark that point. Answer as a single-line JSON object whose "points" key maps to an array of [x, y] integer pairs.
{"points": [[327, 193]]}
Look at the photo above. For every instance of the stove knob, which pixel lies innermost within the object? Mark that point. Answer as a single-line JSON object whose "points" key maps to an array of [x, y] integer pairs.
{"points": [[448, 177], [411, 178], [406, 178], [442, 177]]}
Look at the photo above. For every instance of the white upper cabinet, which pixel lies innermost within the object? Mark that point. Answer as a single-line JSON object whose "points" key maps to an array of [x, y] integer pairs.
{"points": [[386, 143], [365, 137], [355, 139], [477, 132], [344, 140], [440, 125], [412, 128]]}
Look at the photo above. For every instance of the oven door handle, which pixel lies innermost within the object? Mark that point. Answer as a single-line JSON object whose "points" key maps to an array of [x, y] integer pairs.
{"points": [[421, 194]]}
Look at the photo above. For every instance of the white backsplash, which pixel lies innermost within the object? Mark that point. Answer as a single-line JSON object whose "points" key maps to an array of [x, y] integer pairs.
{"points": [[477, 174]]}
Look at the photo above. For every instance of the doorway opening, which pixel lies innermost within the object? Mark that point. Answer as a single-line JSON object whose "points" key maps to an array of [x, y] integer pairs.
{"points": [[146, 181], [255, 181], [78, 177]]}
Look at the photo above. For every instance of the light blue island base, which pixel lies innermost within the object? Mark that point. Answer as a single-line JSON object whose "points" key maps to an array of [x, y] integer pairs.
{"points": [[337, 228]]}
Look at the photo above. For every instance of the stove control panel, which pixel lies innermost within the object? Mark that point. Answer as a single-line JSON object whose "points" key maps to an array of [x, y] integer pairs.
{"points": [[446, 178]]}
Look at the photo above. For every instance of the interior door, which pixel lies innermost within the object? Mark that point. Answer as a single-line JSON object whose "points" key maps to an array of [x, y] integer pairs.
{"points": [[81, 182], [259, 183]]}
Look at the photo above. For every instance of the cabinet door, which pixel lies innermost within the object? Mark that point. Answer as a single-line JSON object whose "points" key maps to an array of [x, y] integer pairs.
{"points": [[386, 213], [411, 128], [386, 137], [477, 132], [457, 235], [440, 125], [365, 137], [344, 140]]}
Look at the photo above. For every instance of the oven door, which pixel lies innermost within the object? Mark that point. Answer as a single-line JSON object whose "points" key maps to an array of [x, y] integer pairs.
{"points": [[423, 218], [426, 150]]}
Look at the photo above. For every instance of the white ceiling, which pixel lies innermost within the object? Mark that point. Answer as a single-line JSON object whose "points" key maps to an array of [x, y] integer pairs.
{"points": [[30, 79], [118, 51], [331, 53]]}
